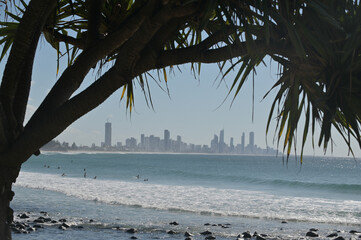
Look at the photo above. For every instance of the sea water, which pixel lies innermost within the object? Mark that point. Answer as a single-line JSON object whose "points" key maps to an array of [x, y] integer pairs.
{"points": [[108, 193]]}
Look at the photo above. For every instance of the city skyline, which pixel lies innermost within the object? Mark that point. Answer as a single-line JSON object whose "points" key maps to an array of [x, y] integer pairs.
{"points": [[218, 145], [188, 104], [153, 143]]}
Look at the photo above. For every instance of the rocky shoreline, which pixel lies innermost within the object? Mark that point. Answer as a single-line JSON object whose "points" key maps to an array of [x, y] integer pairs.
{"points": [[31, 223]]}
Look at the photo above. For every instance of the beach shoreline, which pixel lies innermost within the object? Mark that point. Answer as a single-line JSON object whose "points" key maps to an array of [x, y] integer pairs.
{"points": [[226, 195], [41, 225]]}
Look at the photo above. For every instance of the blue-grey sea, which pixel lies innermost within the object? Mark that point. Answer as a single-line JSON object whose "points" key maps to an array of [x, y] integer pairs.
{"points": [[102, 195]]}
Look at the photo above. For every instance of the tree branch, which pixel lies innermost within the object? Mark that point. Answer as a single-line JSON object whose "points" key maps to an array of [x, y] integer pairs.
{"points": [[74, 75], [3, 129], [58, 37], [144, 36], [217, 37], [15, 86], [94, 12], [197, 54], [47, 128]]}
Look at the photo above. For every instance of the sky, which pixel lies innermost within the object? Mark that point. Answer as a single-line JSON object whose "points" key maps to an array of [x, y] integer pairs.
{"points": [[196, 108]]}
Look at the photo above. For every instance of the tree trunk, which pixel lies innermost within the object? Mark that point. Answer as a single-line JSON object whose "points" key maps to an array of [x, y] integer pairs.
{"points": [[7, 178]]}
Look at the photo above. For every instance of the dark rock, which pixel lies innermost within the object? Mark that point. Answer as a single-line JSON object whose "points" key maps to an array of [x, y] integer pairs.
{"points": [[131, 230], [332, 235], [359, 236], [80, 227], [65, 225], [255, 234], [62, 228], [311, 234], [39, 220], [206, 233], [353, 231], [133, 237], [44, 213], [313, 229], [174, 223], [91, 220], [37, 226], [62, 220], [47, 219], [260, 238], [23, 216], [214, 225], [339, 238], [20, 231], [15, 230], [20, 225], [30, 229], [171, 232], [284, 222], [54, 221], [207, 224], [188, 238], [210, 237], [223, 226], [246, 235], [187, 234]]}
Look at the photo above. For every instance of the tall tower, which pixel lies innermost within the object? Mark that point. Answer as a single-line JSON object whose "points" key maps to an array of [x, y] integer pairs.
{"points": [[251, 141], [166, 140], [221, 141], [178, 143], [214, 143], [108, 134], [243, 142], [142, 141]]}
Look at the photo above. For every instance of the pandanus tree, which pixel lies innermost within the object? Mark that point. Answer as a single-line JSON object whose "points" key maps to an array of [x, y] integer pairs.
{"points": [[316, 44]]}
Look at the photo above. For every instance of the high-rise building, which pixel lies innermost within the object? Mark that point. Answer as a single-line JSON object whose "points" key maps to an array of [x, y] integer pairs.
{"points": [[142, 141], [221, 141], [166, 140], [178, 143], [108, 134], [231, 145], [153, 146], [131, 143], [251, 142], [214, 144], [243, 142]]}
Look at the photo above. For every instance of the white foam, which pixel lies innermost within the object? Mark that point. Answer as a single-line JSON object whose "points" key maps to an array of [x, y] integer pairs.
{"points": [[202, 200]]}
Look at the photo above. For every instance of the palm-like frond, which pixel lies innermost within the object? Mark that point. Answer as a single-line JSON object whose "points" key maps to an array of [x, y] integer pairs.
{"points": [[317, 45]]}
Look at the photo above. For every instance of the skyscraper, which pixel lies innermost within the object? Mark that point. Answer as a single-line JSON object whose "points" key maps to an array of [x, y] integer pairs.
{"points": [[243, 142], [108, 134], [251, 141], [214, 143], [221, 141], [178, 143], [231, 145], [142, 141], [166, 140]]}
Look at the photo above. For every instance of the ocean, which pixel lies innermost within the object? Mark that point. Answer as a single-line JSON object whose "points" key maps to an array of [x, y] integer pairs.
{"points": [[162, 196]]}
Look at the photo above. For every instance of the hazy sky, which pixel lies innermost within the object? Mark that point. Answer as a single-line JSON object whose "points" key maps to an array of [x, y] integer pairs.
{"points": [[196, 109]]}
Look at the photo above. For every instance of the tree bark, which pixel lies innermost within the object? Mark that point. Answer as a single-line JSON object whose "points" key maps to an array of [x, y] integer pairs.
{"points": [[7, 178]]}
